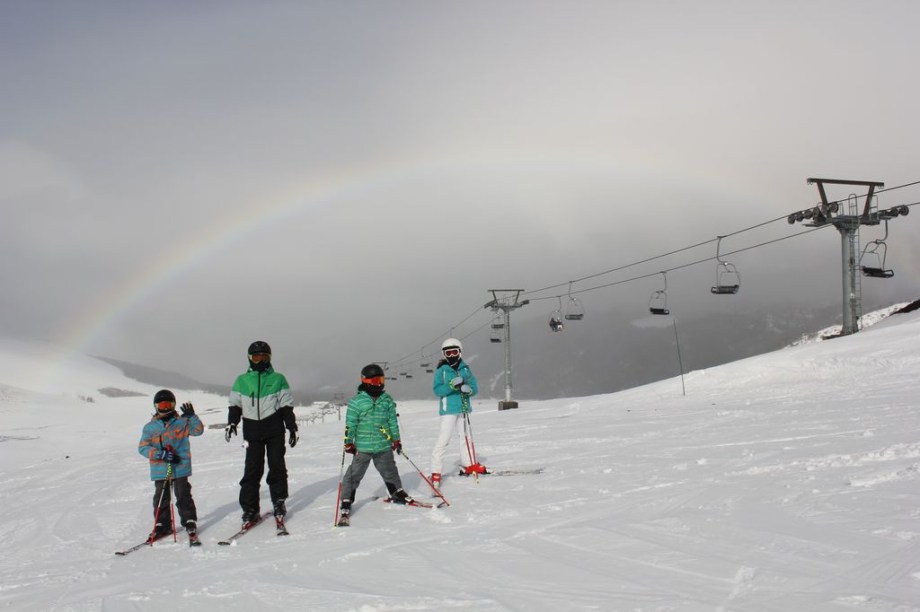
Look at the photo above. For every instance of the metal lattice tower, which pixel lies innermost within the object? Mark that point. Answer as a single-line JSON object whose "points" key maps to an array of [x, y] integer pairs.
{"points": [[504, 301], [847, 219]]}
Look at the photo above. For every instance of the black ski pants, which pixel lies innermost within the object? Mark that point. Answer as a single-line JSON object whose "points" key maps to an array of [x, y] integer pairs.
{"points": [[256, 452], [184, 502]]}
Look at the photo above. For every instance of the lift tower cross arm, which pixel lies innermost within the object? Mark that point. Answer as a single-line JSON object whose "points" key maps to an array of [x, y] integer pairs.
{"points": [[820, 182]]}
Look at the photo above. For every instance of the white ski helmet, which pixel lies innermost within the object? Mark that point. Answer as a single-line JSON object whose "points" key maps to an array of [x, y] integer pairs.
{"points": [[451, 343]]}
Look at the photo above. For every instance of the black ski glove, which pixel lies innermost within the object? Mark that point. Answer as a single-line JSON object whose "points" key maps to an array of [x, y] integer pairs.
{"points": [[187, 409]]}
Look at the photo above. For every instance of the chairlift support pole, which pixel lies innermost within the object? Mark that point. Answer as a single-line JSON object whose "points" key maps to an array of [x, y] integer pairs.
{"points": [[505, 303], [847, 223]]}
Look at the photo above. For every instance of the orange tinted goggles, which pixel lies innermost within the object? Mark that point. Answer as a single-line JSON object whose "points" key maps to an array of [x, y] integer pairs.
{"points": [[376, 381], [166, 405], [259, 357]]}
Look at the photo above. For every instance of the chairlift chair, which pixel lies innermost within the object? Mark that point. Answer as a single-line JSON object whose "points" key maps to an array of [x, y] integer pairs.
{"points": [[872, 260], [495, 336], [875, 252], [555, 319], [658, 302], [575, 311], [728, 280]]}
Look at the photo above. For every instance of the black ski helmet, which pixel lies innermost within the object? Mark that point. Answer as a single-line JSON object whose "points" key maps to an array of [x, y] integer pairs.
{"points": [[259, 347], [371, 370], [164, 395]]}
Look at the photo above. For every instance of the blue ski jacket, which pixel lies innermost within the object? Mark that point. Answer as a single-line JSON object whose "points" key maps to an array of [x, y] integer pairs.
{"points": [[174, 432]]}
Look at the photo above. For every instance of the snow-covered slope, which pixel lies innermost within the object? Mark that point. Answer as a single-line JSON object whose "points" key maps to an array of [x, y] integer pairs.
{"points": [[788, 481]]}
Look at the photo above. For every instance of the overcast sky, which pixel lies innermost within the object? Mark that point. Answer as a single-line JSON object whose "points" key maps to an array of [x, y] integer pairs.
{"points": [[347, 179]]}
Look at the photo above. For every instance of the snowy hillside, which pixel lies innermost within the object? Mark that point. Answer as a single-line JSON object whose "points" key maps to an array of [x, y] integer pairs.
{"points": [[788, 481]]}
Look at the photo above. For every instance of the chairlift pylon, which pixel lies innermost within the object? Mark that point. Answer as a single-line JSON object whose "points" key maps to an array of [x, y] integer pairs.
{"points": [[728, 279], [658, 302], [876, 251]]}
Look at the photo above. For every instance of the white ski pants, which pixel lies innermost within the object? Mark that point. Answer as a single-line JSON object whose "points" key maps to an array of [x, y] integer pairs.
{"points": [[451, 425]]}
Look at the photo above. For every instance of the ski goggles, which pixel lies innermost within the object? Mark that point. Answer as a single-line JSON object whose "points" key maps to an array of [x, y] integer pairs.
{"points": [[452, 352], [167, 405], [374, 381], [259, 357]]}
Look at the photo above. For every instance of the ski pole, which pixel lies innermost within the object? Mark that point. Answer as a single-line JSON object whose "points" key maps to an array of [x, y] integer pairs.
{"points": [[425, 478], [172, 509], [338, 496], [156, 515], [468, 434], [420, 472], [470, 443]]}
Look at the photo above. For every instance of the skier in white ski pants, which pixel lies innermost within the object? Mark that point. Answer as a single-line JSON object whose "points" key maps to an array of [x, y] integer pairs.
{"points": [[451, 425], [454, 384]]}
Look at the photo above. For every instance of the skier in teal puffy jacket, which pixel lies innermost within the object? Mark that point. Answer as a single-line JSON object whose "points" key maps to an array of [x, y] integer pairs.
{"points": [[165, 443], [371, 434], [454, 384]]}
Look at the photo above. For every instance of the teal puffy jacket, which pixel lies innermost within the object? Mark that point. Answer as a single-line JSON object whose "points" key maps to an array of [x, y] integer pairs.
{"points": [[452, 401], [369, 421]]}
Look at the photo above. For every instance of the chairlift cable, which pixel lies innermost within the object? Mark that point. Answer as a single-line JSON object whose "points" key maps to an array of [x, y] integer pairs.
{"points": [[682, 266], [649, 259]]}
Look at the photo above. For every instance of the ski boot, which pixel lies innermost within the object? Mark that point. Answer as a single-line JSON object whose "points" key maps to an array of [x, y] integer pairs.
{"points": [[191, 529]]}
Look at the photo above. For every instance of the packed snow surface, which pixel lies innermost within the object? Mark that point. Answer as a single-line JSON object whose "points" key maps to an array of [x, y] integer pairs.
{"points": [[787, 481]]}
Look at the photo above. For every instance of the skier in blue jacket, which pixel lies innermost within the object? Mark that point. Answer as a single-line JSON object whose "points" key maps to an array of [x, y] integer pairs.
{"points": [[454, 384], [165, 443]]}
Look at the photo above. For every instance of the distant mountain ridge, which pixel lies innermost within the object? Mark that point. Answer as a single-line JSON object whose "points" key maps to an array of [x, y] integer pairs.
{"points": [[163, 378], [584, 360]]}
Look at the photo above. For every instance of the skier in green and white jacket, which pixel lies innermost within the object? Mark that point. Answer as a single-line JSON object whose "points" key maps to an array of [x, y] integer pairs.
{"points": [[262, 398]]}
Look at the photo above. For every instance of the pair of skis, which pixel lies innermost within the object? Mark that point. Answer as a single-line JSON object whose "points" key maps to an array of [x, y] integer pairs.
{"points": [[344, 520], [508, 472], [280, 529]]}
